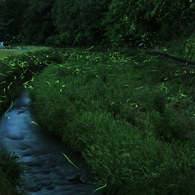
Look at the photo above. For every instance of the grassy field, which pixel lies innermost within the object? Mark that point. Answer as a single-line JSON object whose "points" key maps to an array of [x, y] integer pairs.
{"points": [[132, 117], [18, 50]]}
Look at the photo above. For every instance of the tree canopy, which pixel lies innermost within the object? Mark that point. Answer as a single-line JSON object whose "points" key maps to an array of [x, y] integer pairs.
{"points": [[88, 22]]}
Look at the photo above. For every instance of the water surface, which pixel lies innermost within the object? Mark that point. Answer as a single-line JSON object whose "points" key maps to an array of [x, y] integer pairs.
{"points": [[47, 170]]}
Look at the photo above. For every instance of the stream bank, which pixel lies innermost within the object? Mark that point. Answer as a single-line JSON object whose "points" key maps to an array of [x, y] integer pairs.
{"points": [[53, 88], [47, 171]]}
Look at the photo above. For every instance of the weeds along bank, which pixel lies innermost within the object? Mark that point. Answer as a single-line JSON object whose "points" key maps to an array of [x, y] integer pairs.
{"points": [[16, 71], [10, 174], [132, 118], [181, 47]]}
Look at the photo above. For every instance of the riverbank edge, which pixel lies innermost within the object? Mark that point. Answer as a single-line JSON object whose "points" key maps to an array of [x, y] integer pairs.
{"points": [[56, 98], [17, 87], [11, 93]]}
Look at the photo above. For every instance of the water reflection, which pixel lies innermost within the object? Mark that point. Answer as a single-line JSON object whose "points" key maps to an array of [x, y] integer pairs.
{"points": [[47, 171]]}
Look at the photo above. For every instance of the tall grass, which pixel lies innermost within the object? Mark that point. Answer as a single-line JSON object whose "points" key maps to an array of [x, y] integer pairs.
{"points": [[18, 50], [132, 118], [16, 71], [11, 173], [182, 47]]}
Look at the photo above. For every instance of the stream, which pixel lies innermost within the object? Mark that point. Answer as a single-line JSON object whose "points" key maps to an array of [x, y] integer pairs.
{"points": [[47, 171]]}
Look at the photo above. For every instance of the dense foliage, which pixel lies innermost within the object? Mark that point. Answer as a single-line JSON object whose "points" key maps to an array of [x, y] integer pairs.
{"points": [[38, 24], [88, 22], [149, 20], [132, 118], [11, 19], [10, 172]]}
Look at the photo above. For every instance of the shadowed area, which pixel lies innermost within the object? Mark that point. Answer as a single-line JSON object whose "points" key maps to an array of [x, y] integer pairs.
{"points": [[47, 171]]}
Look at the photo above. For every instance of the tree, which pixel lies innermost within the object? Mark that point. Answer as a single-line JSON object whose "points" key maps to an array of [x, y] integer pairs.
{"points": [[12, 18], [38, 24], [91, 17], [149, 21], [79, 21], [64, 15]]}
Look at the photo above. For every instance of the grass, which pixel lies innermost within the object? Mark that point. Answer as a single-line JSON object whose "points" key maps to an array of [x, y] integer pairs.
{"points": [[17, 69], [132, 118], [18, 50], [181, 47], [10, 173]]}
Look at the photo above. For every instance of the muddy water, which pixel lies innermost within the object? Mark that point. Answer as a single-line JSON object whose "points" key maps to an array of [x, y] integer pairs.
{"points": [[46, 170]]}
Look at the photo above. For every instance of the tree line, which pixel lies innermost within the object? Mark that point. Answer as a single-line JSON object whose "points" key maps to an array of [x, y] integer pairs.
{"points": [[94, 22]]}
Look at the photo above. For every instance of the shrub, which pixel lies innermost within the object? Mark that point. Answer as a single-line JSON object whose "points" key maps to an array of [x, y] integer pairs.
{"points": [[10, 172]]}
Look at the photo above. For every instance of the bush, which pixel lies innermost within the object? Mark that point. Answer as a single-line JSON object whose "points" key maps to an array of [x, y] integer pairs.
{"points": [[10, 172]]}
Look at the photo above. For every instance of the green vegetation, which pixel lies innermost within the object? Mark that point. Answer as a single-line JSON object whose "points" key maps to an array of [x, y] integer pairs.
{"points": [[130, 115], [16, 71], [10, 173], [183, 47], [94, 22]]}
